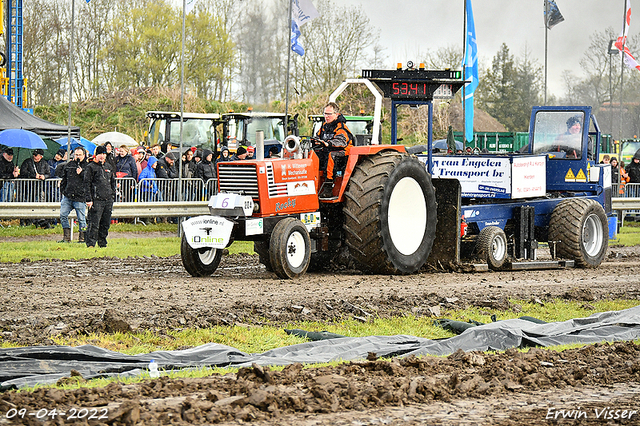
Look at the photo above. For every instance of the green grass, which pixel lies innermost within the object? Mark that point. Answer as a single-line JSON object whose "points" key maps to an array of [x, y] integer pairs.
{"points": [[252, 339], [12, 229], [14, 251], [629, 235]]}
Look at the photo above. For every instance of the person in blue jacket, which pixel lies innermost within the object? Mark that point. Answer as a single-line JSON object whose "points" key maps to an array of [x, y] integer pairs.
{"points": [[147, 184]]}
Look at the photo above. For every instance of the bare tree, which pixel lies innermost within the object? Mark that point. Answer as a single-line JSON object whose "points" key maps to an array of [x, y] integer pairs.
{"points": [[335, 45], [46, 50], [449, 56]]}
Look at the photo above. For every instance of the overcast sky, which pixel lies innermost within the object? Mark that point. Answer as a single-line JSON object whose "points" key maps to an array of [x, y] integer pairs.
{"points": [[409, 27]]}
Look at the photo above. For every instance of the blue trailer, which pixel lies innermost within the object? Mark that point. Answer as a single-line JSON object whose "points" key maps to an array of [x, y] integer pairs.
{"points": [[497, 208]]}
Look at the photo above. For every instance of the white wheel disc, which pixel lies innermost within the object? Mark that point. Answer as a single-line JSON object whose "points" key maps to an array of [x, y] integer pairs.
{"points": [[207, 256], [407, 216], [499, 248], [592, 235], [295, 249]]}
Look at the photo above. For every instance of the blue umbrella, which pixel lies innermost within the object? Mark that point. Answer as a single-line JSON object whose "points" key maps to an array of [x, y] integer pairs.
{"points": [[88, 145], [20, 138], [75, 143]]}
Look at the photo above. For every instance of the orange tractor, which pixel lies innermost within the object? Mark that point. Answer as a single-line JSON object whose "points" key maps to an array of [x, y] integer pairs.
{"points": [[382, 212]]}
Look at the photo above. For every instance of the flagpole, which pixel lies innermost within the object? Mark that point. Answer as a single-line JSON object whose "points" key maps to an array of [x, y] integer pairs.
{"points": [[73, 9], [624, 42], [286, 99], [184, 20], [464, 73], [546, 35]]}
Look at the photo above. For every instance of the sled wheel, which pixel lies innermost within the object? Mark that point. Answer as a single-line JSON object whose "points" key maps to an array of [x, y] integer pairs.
{"points": [[580, 229], [200, 262], [262, 248], [491, 247], [390, 213], [289, 248]]}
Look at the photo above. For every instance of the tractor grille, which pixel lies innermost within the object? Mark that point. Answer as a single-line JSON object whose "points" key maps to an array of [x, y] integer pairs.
{"points": [[275, 189], [239, 179]]}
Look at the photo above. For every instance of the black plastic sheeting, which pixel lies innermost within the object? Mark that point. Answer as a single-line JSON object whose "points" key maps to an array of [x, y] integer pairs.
{"points": [[13, 117], [29, 366]]}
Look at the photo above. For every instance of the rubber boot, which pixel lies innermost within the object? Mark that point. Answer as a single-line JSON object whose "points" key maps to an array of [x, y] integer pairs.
{"points": [[66, 235], [81, 236]]}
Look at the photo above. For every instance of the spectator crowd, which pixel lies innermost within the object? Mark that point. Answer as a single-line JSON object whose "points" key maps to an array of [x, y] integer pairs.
{"points": [[85, 181]]}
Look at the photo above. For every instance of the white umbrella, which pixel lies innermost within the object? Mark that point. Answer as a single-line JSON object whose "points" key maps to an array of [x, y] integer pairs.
{"points": [[116, 139]]}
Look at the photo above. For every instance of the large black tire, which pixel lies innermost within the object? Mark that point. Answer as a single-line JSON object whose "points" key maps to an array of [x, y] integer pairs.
{"points": [[199, 262], [491, 247], [262, 248], [289, 248], [390, 213], [581, 231]]}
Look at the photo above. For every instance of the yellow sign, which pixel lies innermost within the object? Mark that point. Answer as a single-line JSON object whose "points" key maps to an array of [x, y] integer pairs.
{"points": [[581, 177], [570, 177]]}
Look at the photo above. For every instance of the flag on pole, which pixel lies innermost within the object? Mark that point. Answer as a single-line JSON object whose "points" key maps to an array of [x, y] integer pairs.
{"points": [[189, 5], [552, 15], [621, 42], [471, 72], [302, 12]]}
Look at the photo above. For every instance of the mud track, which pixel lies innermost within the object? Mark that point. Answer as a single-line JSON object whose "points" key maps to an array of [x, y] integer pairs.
{"points": [[41, 299]]}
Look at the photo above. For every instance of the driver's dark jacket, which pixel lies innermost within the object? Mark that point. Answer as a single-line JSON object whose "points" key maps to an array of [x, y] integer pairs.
{"points": [[337, 135], [99, 182]]}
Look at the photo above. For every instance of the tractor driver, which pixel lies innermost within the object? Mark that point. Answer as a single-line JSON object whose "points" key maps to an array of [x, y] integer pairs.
{"points": [[570, 141], [336, 140]]}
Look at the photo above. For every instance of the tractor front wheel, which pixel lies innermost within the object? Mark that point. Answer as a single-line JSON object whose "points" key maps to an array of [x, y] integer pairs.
{"points": [[289, 248], [200, 262]]}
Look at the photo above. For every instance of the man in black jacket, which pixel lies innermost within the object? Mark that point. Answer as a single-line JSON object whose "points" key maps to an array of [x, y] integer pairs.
{"points": [[72, 188], [37, 169], [8, 171], [633, 169], [166, 166], [100, 190]]}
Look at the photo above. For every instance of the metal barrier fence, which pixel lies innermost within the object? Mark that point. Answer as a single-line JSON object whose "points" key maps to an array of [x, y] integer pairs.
{"points": [[127, 190], [631, 190], [30, 190]]}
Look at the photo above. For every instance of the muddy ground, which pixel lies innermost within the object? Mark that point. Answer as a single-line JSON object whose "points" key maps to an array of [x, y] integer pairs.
{"points": [[593, 384]]}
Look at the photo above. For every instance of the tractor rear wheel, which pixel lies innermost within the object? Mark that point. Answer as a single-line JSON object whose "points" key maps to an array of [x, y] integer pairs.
{"points": [[390, 213], [491, 247], [200, 262], [580, 230], [289, 248]]}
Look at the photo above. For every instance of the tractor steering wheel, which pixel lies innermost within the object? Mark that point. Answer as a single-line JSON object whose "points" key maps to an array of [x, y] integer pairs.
{"points": [[317, 143]]}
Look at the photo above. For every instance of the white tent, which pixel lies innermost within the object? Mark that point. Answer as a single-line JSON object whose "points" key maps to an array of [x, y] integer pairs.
{"points": [[116, 138]]}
